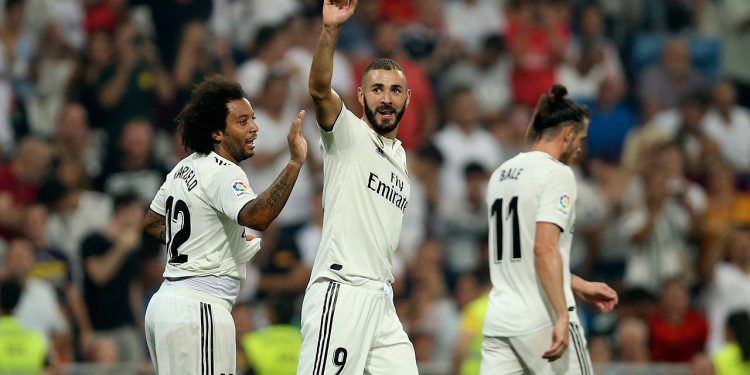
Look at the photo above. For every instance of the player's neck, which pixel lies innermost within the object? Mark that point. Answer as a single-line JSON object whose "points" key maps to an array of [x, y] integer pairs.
{"points": [[224, 154], [550, 147]]}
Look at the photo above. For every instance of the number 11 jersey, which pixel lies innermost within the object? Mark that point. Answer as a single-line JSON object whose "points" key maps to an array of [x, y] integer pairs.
{"points": [[529, 188], [201, 199]]}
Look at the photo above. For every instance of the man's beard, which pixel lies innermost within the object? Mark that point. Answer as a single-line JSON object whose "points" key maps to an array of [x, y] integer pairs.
{"points": [[379, 128]]}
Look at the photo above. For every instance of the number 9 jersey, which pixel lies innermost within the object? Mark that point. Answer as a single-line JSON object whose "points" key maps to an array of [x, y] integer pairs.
{"points": [[200, 200], [529, 188]]}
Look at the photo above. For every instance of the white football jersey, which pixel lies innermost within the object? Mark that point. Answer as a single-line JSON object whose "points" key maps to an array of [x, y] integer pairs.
{"points": [[201, 199], [365, 192], [529, 188]]}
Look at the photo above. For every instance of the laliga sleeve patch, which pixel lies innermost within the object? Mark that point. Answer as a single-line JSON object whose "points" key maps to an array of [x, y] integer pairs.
{"points": [[240, 188], [564, 203]]}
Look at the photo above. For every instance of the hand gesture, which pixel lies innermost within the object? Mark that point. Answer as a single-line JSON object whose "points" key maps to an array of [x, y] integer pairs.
{"points": [[337, 12], [599, 295], [560, 340], [128, 239], [297, 143]]}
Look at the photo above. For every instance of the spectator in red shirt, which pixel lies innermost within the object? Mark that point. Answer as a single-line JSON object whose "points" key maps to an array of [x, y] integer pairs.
{"points": [[677, 331], [19, 182], [538, 39]]}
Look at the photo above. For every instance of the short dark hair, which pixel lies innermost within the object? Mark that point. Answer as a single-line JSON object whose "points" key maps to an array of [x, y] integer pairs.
{"points": [[51, 191], [554, 109], [384, 64], [10, 293], [206, 112], [124, 199], [474, 168], [283, 306], [738, 323]]}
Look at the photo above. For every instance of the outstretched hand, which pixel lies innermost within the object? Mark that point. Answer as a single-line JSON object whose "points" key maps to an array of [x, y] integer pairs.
{"points": [[297, 143], [599, 295], [337, 12]]}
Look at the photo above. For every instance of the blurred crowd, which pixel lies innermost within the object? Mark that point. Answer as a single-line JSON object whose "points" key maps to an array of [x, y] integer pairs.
{"points": [[89, 90]]}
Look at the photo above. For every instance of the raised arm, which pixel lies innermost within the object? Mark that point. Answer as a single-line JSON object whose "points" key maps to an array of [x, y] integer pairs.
{"points": [[261, 211], [327, 102], [549, 268]]}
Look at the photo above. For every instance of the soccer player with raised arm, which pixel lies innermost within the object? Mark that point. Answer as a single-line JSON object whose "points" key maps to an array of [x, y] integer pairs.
{"points": [[349, 322], [200, 213], [531, 318]]}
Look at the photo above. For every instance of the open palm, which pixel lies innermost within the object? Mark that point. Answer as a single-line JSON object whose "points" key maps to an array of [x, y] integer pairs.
{"points": [[336, 12]]}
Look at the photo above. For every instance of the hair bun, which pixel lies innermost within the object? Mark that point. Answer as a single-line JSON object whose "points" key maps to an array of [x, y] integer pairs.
{"points": [[557, 92]]}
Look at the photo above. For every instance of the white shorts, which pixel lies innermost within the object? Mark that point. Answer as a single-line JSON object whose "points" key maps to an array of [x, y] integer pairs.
{"points": [[523, 354], [190, 332], [353, 330]]}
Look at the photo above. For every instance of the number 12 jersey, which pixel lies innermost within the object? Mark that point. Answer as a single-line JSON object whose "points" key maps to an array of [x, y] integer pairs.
{"points": [[201, 199], [529, 188]]}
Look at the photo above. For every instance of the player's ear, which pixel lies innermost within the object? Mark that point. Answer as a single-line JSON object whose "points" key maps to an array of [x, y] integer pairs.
{"points": [[360, 96], [217, 136], [568, 133]]}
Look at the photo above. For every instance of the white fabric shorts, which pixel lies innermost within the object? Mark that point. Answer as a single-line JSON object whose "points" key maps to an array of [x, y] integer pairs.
{"points": [[523, 354], [353, 330], [190, 332]]}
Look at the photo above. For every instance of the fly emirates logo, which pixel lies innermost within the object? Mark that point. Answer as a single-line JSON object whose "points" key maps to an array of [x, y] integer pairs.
{"points": [[391, 191]]}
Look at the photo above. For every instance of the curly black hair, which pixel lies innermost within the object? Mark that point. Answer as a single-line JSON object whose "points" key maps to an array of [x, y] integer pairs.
{"points": [[206, 112]]}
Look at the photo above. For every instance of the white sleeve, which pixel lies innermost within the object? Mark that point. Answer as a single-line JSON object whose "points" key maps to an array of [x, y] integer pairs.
{"points": [[346, 132], [229, 191], [557, 198], [158, 205]]}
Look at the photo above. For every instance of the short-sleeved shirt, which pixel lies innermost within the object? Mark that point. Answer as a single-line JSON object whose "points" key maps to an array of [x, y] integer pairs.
{"points": [[529, 188], [366, 190], [201, 200], [108, 304]]}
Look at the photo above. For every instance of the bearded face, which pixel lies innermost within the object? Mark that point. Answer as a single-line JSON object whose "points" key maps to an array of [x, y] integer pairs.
{"points": [[384, 96]]}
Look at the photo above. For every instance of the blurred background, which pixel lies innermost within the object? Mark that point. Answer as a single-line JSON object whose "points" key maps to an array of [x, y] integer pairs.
{"points": [[89, 90]]}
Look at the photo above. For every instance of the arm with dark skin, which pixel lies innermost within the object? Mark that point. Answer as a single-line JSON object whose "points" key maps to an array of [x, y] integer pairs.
{"points": [[155, 225], [256, 214], [261, 211]]}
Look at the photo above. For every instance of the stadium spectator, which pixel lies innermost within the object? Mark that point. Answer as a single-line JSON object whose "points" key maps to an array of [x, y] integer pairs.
{"points": [[274, 349], [537, 40], [611, 120], [22, 350], [75, 139], [725, 272], [672, 78], [462, 140], [487, 73], [19, 183], [132, 165], [592, 57], [734, 357], [112, 260], [656, 232], [677, 331], [727, 205], [38, 307], [53, 266], [73, 214], [728, 124], [471, 21], [463, 223]]}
